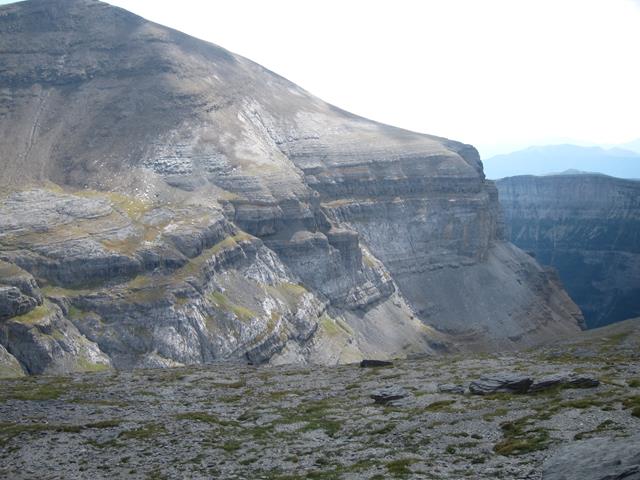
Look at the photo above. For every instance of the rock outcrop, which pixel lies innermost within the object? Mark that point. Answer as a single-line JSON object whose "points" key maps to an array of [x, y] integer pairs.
{"points": [[176, 203], [588, 228], [599, 459], [501, 383]]}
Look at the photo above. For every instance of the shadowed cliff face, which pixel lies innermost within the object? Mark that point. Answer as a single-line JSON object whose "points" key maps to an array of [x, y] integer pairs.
{"points": [[588, 228], [177, 203]]}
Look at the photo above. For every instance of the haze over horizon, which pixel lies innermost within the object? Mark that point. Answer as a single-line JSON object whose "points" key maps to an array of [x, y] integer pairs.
{"points": [[515, 74]]}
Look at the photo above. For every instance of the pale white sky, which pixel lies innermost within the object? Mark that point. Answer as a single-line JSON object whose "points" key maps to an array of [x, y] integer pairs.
{"points": [[500, 74]]}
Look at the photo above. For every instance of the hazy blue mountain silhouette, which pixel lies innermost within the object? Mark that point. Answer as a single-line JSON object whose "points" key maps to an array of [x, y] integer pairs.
{"points": [[543, 160]]}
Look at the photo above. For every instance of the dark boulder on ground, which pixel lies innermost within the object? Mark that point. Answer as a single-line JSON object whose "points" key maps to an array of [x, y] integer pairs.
{"points": [[566, 380], [513, 383], [375, 363], [501, 383], [388, 394]]}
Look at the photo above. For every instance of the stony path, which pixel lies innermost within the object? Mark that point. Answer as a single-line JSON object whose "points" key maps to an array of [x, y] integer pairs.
{"points": [[260, 422]]}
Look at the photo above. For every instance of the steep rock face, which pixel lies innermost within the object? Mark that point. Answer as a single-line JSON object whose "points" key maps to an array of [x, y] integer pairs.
{"points": [[182, 204], [588, 228]]}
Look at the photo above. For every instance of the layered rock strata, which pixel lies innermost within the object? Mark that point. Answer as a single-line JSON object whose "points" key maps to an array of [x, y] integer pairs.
{"points": [[177, 203], [588, 228]]}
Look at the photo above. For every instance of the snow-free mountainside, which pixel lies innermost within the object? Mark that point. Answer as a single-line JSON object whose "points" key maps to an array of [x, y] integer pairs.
{"points": [[165, 202], [587, 226]]}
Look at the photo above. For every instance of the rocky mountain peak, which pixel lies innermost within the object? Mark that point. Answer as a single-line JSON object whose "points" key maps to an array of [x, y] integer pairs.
{"points": [[172, 203]]}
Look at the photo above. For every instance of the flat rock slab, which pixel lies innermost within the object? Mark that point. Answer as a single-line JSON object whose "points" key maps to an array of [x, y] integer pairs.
{"points": [[389, 394], [595, 459], [451, 388], [501, 383], [567, 380], [375, 363]]}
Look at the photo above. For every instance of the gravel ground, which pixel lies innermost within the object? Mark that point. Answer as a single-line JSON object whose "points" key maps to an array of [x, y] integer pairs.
{"points": [[295, 422]]}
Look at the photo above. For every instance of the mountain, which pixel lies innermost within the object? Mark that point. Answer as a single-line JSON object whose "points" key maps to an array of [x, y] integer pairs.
{"points": [[167, 202], [633, 145], [588, 228], [550, 159]]}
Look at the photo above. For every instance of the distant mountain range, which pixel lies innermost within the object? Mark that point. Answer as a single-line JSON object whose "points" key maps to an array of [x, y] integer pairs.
{"points": [[622, 161], [634, 145]]}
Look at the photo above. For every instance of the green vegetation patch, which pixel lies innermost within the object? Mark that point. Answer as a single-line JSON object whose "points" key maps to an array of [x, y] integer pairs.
{"points": [[335, 326], [316, 415], [195, 264], [87, 365], [204, 417], [231, 445], [605, 426], [27, 390], [9, 430], [633, 403], [34, 316], [498, 412], [147, 431], [400, 467], [634, 382], [219, 300], [440, 406], [289, 292], [521, 436]]}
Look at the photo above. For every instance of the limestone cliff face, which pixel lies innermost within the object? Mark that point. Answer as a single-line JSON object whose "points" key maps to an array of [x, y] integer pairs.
{"points": [[588, 228], [177, 203]]}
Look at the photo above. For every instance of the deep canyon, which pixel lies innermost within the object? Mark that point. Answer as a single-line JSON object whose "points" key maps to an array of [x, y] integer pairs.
{"points": [[587, 226]]}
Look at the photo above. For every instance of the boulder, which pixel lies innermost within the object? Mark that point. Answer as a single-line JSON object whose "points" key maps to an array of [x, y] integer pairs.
{"points": [[14, 303], [388, 394], [595, 459], [501, 383], [450, 388], [375, 363], [566, 380], [582, 381]]}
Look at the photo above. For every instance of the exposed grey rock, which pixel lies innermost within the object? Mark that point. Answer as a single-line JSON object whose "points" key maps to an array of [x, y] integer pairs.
{"points": [[43, 341], [366, 363], [582, 381], [386, 395], [595, 459], [13, 302], [9, 365], [19, 291], [567, 380], [14, 276], [180, 204], [501, 383], [451, 388], [585, 226]]}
